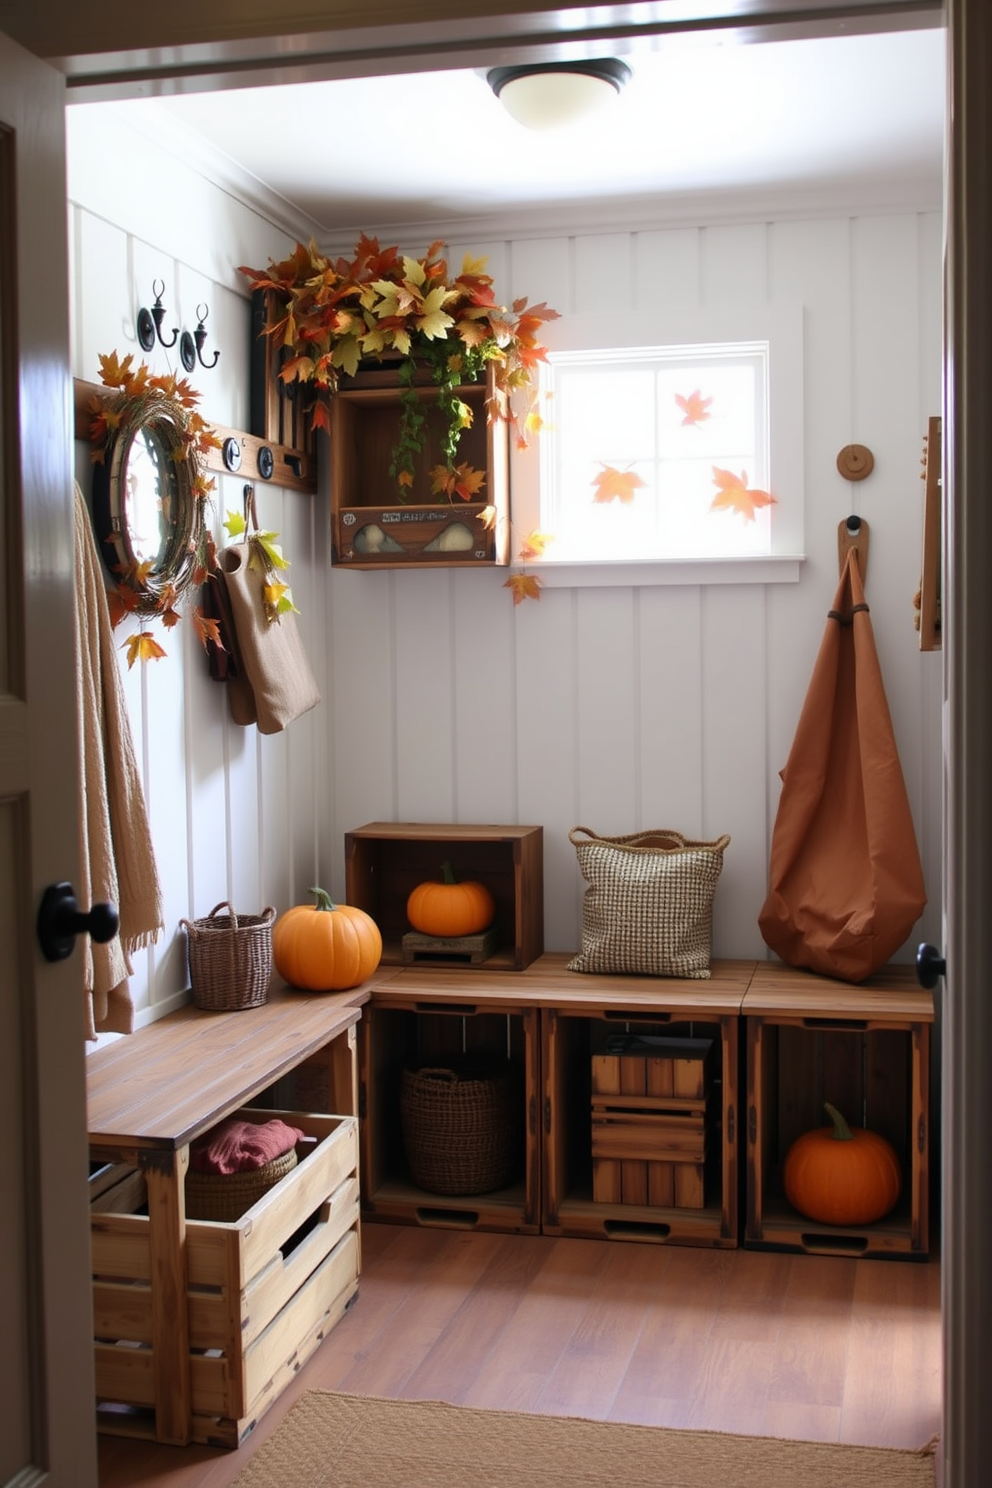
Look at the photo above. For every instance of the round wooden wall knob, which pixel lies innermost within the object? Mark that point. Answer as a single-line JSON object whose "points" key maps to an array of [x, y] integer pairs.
{"points": [[855, 461]]}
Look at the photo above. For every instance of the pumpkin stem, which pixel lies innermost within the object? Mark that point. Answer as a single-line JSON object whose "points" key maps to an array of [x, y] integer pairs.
{"points": [[324, 900], [842, 1132], [448, 873]]}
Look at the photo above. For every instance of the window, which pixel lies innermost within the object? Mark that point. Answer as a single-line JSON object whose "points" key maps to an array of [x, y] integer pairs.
{"points": [[682, 450]]}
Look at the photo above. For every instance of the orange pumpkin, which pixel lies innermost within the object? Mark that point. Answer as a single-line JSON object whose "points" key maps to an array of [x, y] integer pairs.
{"points": [[325, 947], [449, 908], [842, 1175]]}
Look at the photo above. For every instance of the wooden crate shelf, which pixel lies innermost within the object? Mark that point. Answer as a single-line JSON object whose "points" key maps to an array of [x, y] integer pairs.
{"points": [[420, 1017], [370, 526], [866, 1049], [385, 861], [580, 1015]]}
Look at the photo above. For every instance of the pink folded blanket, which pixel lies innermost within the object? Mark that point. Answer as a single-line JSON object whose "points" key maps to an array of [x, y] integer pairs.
{"points": [[234, 1146]]}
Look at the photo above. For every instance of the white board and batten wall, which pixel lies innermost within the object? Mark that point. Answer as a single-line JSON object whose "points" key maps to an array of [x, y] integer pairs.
{"points": [[616, 708]]}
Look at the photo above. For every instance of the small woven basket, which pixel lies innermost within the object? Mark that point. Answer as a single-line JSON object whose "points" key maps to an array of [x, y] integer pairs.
{"points": [[230, 959], [461, 1126], [226, 1196]]}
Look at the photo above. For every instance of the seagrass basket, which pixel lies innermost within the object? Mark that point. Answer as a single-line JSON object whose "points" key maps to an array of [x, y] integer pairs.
{"points": [[461, 1126], [230, 959], [226, 1196]]}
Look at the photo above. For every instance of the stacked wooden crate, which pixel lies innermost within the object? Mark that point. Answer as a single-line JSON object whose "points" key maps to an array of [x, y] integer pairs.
{"points": [[650, 1122]]}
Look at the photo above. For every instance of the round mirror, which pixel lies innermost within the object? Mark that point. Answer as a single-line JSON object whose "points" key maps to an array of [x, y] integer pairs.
{"points": [[146, 509]]}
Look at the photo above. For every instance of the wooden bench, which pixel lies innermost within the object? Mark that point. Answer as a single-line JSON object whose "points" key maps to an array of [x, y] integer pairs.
{"points": [[177, 1357], [551, 1021]]}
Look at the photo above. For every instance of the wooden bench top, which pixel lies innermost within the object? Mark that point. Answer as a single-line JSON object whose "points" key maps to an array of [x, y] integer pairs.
{"points": [[748, 987], [169, 1082], [892, 993], [547, 983]]}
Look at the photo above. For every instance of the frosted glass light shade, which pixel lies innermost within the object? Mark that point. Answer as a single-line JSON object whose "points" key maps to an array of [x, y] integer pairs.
{"points": [[552, 94]]}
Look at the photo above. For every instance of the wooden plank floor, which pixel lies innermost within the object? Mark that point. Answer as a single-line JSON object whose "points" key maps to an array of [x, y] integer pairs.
{"points": [[823, 1348]]}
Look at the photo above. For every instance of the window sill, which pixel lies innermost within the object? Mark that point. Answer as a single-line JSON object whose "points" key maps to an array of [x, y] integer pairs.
{"points": [[779, 568]]}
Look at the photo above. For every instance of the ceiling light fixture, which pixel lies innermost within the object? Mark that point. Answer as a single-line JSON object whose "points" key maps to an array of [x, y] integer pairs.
{"points": [[546, 95]]}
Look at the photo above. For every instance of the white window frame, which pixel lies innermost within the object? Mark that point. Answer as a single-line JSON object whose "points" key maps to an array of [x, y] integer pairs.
{"points": [[781, 327]]}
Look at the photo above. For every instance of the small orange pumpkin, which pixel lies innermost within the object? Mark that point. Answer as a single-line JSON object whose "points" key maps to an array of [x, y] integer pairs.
{"points": [[449, 908], [325, 947], [842, 1175]]}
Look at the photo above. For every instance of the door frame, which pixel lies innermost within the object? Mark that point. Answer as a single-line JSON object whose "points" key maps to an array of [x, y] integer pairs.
{"points": [[450, 30]]}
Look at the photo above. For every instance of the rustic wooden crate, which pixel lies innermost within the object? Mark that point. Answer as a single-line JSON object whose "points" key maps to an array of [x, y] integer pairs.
{"points": [[424, 1017], [690, 1203], [262, 1291], [385, 861], [365, 415], [866, 1049]]}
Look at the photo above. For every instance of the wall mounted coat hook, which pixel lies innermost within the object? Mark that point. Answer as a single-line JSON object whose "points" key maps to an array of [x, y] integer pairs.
{"points": [[150, 321], [853, 533], [191, 347]]}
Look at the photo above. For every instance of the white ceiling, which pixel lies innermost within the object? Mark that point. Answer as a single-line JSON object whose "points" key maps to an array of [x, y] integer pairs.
{"points": [[858, 119]]}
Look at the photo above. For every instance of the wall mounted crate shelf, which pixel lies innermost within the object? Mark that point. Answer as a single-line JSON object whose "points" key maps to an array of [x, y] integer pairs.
{"points": [[370, 528], [422, 1017], [385, 861], [864, 1048]]}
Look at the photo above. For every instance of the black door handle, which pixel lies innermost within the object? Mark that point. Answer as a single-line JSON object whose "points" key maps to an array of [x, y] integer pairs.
{"points": [[930, 966], [60, 920]]}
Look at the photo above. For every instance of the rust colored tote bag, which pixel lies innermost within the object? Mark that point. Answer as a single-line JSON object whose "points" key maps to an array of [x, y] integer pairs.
{"points": [[845, 880]]}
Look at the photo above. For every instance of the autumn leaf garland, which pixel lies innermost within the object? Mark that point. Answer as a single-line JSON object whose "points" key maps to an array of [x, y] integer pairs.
{"points": [[167, 404], [381, 304]]}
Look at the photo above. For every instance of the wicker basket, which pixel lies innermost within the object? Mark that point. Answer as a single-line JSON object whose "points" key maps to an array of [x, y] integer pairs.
{"points": [[461, 1126], [226, 1196], [230, 959]]}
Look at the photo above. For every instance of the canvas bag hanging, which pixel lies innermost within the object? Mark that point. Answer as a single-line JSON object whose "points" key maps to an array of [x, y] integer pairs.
{"points": [[270, 652], [845, 879]]}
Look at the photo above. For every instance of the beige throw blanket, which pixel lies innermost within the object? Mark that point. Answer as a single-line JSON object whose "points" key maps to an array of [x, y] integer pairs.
{"points": [[117, 863]]}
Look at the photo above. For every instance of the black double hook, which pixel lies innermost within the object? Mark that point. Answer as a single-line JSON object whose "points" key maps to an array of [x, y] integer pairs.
{"points": [[191, 347], [150, 321]]}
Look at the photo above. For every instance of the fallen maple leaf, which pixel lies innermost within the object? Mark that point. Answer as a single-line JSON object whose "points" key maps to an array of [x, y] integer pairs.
{"points": [[616, 485], [142, 647], [694, 407], [523, 586], [733, 494]]}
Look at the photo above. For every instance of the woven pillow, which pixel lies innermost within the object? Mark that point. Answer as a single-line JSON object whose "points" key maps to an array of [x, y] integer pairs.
{"points": [[648, 906]]}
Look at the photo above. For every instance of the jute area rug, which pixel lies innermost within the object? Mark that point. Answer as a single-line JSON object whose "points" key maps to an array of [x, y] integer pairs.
{"points": [[358, 1441]]}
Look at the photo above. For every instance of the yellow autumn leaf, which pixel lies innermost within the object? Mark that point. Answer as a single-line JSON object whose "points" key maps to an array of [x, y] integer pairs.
{"points": [[487, 517], [413, 271], [235, 524], [523, 586], [434, 320], [534, 545], [142, 647]]}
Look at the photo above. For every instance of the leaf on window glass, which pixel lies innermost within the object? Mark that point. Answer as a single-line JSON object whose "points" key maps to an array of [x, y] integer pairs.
{"points": [[523, 586], [694, 407], [733, 494], [534, 545], [616, 485]]}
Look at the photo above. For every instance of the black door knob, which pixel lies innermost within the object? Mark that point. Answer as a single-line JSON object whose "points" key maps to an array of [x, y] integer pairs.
{"points": [[930, 966], [60, 920]]}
